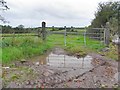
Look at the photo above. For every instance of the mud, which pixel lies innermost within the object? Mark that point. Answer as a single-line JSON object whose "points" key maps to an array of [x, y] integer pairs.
{"points": [[58, 70]]}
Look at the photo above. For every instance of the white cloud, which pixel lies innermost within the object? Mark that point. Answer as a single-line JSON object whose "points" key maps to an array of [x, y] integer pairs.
{"points": [[54, 12]]}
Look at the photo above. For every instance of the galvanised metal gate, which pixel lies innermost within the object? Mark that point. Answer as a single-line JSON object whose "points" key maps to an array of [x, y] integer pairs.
{"points": [[82, 36]]}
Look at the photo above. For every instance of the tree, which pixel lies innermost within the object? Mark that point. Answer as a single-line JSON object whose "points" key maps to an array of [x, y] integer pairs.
{"points": [[20, 29], [106, 12], [3, 6], [21, 26], [6, 29]]}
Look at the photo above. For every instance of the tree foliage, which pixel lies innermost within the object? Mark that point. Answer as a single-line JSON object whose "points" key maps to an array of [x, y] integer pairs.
{"points": [[105, 12], [21, 26], [3, 6]]}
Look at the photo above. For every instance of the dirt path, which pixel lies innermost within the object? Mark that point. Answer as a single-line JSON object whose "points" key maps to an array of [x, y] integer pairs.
{"points": [[103, 73]]}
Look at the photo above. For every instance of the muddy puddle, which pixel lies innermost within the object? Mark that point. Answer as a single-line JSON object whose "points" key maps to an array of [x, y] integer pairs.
{"points": [[59, 59], [65, 61]]}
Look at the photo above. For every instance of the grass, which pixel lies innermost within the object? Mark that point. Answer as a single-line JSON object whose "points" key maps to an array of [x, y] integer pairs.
{"points": [[112, 53], [25, 47], [16, 35], [75, 44], [75, 41], [22, 47]]}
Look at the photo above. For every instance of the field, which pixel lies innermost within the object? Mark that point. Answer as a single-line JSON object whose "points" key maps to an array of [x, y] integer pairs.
{"points": [[22, 47]]}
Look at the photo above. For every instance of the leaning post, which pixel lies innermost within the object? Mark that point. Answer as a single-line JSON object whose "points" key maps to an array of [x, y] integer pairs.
{"points": [[43, 31]]}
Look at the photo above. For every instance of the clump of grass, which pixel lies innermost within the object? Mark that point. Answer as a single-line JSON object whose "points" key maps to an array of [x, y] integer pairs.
{"points": [[15, 77], [75, 50], [113, 52]]}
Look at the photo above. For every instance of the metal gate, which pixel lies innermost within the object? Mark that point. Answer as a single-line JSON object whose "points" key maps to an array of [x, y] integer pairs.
{"points": [[74, 35]]}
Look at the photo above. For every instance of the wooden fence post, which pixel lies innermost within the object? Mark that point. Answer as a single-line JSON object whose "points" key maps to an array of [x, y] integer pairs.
{"points": [[39, 32], [43, 31], [107, 35], [53, 28], [72, 29]]}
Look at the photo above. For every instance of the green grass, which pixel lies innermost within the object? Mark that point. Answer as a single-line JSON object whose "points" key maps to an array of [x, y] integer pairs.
{"points": [[75, 40], [21, 34], [25, 47], [22, 47], [75, 43]]}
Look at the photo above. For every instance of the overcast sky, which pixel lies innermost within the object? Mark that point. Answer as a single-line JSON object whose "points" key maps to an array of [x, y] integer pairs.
{"points": [[31, 13]]}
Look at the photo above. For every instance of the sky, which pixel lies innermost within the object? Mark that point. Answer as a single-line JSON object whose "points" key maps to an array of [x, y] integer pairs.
{"points": [[59, 13]]}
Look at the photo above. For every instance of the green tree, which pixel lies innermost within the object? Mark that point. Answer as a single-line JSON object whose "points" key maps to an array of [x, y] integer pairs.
{"points": [[106, 12], [20, 29], [21, 26]]}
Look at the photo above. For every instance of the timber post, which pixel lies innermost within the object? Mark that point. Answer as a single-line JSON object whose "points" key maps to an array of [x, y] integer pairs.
{"points": [[43, 31]]}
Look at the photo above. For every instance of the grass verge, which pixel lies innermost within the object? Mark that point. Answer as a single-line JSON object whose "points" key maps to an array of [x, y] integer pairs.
{"points": [[22, 47]]}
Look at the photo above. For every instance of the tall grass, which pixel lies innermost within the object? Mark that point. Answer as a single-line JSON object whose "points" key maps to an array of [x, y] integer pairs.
{"points": [[22, 47], [25, 47]]}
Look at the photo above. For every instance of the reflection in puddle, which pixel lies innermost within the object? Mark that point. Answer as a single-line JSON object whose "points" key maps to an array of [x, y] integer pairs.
{"points": [[67, 61]]}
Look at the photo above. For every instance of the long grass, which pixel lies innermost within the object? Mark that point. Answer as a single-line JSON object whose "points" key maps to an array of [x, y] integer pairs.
{"points": [[25, 47], [22, 47]]}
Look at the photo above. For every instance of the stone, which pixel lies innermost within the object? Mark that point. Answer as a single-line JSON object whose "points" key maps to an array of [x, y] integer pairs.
{"points": [[105, 49], [23, 61], [116, 39], [28, 82], [46, 74], [51, 71], [37, 63], [6, 67]]}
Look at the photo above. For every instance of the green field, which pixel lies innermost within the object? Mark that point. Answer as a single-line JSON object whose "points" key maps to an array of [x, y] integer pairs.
{"points": [[18, 48]]}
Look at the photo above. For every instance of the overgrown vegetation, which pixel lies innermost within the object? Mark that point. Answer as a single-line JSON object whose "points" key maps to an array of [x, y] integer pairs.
{"points": [[22, 47], [107, 12]]}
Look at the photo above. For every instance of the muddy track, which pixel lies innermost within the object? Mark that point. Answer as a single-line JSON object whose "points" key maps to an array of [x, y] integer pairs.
{"points": [[54, 79], [102, 74]]}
